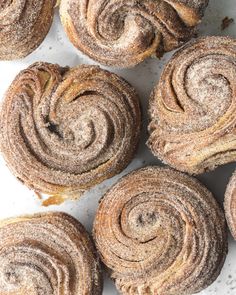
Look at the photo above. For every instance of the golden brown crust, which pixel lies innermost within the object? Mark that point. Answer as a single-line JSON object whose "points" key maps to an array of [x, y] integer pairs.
{"points": [[230, 205], [123, 33], [23, 26], [161, 232], [64, 130], [49, 253], [192, 109]]}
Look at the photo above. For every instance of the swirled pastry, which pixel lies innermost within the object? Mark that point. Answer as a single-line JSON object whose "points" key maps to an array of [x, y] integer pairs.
{"points": [[123, 33], [230, 205], [161, 232], [47, 254], [64, 130], [23, 26], [192, 109]]}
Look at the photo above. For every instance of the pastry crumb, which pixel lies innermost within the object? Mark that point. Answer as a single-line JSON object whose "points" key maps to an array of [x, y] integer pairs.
{"points": [[226, 22]]}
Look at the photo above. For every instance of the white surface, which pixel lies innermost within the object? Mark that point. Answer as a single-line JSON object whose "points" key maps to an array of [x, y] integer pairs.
{"points": [[16, 199]]}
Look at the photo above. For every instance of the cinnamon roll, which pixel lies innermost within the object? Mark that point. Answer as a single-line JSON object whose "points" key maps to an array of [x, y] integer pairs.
{"points": [[192, 109], [161, 232], [230, 205], [123, 33], [47, 254], [65, 130], [23, 26]]}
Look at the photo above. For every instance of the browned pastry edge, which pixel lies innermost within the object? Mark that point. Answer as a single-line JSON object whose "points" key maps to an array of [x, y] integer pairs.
{"points": [[230, 205], [47, 253], [192, 108], [160, 232], [124, 33], [64, 130], [23, 26]]}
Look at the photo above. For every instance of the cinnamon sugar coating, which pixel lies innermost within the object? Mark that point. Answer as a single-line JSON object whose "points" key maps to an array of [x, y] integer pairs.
{"points": [[160, 232], [123, 33], [47, 254], [230, 205], [23, 26], [64, 130], [193, 107]]}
